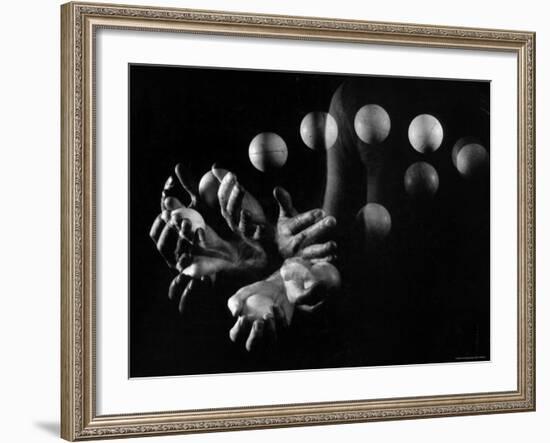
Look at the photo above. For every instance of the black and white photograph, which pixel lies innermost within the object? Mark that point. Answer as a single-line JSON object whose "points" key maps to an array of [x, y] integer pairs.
{"points": [[304, 220]]}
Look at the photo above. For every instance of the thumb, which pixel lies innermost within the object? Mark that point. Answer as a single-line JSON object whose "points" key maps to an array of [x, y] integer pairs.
{"points": [[286, 209], [172, 203], [218, 172], [187, 182], [236, 302]]}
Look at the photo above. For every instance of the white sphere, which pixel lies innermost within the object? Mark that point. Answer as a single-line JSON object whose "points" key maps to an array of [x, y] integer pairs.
{"points": [[421, 180], [193, 216], [319, 130], [372, 124], [471, 160], [376, 220], [208, 188], [267, 151], [425, 133], [460, 143]]}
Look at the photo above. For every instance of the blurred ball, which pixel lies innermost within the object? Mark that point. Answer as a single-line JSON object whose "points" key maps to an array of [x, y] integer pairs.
{"points": [[460, 143], [472, 160], [376, 220], [421, 180], [425, 133], [193, 216], [372, 124], [208, 188], [267, 151], [319, 130]]}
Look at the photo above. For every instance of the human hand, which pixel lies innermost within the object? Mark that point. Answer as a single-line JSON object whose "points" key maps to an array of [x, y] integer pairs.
{"points": [[241, 211], [188, 195], [165, 231], [298, 235], [168, 236], [308, 284], [262, 309], [196, 250]]}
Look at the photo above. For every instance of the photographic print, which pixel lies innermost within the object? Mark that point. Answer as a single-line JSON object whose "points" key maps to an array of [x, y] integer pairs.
{"points": [[273, 221], [295, 220]]}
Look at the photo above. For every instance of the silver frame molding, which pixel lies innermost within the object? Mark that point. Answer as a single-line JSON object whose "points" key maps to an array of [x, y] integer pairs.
{"points": [[79, 22]]}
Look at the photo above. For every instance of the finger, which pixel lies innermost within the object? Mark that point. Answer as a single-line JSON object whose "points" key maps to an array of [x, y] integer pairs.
{"points": [[286, 209], [168, 188], [315, 233], [183, 248], [328, 275], [313, 296], [172, 203], [168, 242], [156, 229], [200, 238], [185, 295], [165, 215], [240, 329], [327, 259], [236, 301], [224, 191], [302, 221], [201, 266], [255, 336], [318, 250], [258, 233], [177, 286], [218, 172], [186, 180], [245, 223], [186, 230], [279, 317], [184, 261], [234, 203], [309, 308], [176, 218], [270, 329]]}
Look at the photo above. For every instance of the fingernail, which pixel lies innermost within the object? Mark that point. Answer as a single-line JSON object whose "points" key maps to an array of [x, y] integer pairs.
{"points": [[233, 306], [169, 183], [319, 213]]}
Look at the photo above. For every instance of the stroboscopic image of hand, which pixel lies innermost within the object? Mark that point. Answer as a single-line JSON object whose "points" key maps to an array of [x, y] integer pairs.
{"points": [[262, 309], [238, 207], [300, 241], [266, 307], [308, 284], [164, 231], [204, 253], [191, 247], [303, 235]]}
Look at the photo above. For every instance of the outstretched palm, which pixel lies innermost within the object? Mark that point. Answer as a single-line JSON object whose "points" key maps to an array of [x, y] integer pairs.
{"points": [[300, 235]]}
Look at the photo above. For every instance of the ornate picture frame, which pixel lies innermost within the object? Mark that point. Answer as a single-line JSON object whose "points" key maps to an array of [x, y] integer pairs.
{"points": [[79, 417]]}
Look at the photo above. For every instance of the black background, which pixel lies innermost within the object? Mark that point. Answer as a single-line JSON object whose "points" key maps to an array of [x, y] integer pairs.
{"points": [[420, 296]]}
